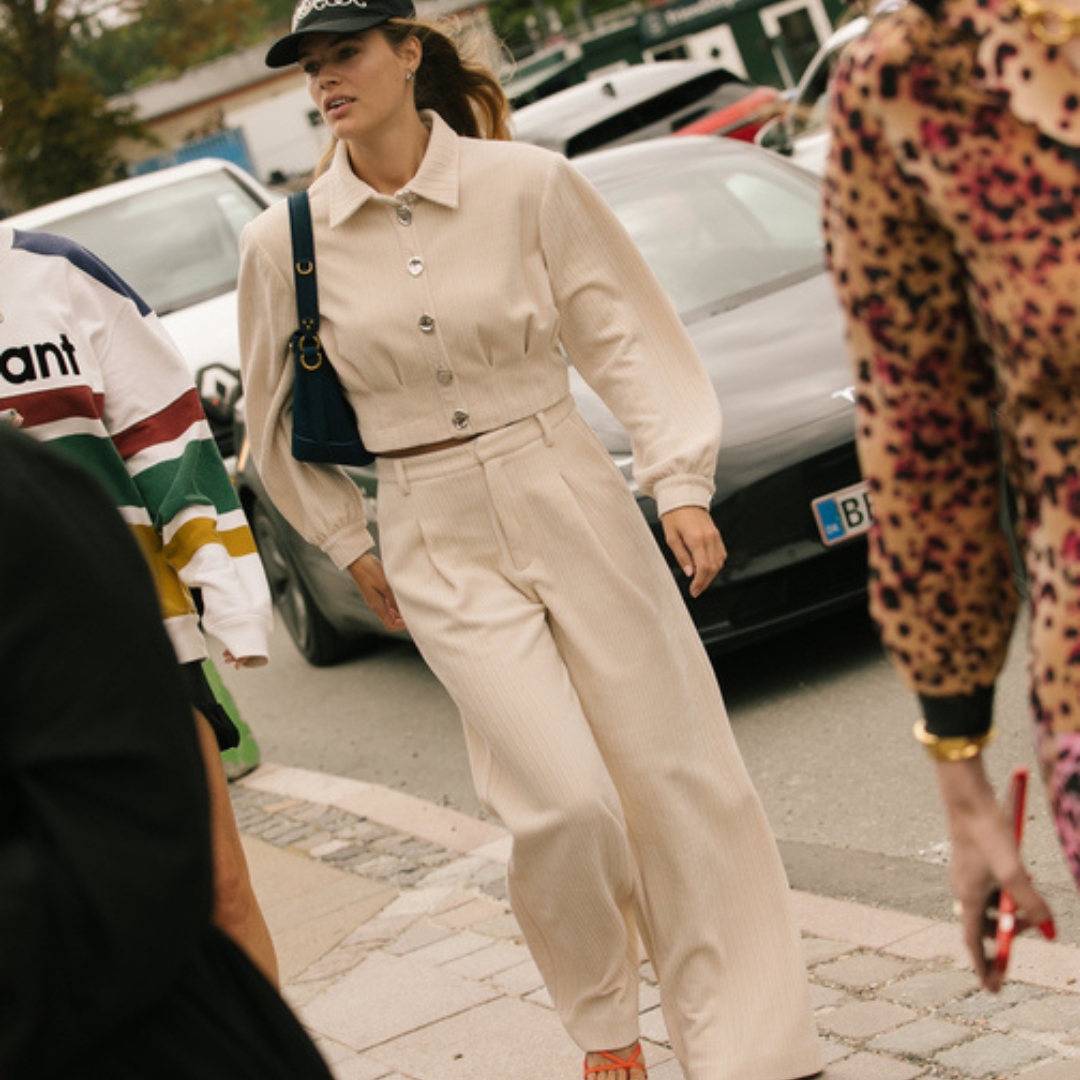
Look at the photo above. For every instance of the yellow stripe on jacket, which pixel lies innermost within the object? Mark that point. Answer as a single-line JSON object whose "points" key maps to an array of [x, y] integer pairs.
{"points": [[198, 532]]}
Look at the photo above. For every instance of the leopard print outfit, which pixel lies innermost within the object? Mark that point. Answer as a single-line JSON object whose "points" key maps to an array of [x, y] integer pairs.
{"points": [[952, 215]]}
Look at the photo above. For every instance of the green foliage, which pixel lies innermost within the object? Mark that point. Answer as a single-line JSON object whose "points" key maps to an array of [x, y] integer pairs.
{"points": [[59, 141], [60, 60], [57, 135], [167, 38]]}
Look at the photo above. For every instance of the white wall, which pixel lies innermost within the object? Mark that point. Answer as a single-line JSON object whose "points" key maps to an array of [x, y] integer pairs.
{"points": [[280, 135]]}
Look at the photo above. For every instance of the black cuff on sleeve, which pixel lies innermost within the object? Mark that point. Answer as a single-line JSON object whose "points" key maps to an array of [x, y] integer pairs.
{"points": [[959, 714]]}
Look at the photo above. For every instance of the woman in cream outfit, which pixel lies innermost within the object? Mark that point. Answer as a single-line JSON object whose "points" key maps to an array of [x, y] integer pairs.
{"points": [[451, 268]]}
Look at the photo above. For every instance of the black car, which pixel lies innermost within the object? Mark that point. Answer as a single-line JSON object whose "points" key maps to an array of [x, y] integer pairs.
{"points": [[733, 233]]}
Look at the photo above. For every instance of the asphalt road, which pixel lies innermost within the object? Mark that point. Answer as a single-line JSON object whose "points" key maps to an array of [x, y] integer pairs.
{"points": [[823, 722]]}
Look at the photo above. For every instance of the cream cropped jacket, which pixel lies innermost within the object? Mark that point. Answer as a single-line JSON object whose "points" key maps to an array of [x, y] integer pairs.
{"points": [[443, 311]]}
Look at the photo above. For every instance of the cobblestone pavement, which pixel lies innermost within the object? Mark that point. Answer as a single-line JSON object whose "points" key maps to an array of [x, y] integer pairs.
{"points": [[435, 983]]}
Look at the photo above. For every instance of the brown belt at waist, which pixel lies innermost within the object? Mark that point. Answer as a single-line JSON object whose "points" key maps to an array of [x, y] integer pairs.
{"points": [[427, 448]]}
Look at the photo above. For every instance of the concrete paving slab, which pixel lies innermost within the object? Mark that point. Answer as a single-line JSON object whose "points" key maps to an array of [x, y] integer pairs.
{"points": [[854, 923], [863, 971], [1051, 1012], [653, 1026], [863, 1019], [1045, 964], [669, 1070], [386, 997], [309, 908], [1052, 1070], [466, 915], [361, 1068], [497, 957], [519, 981], [463, 943], [505, 1037], [978, 1007], [992, 1056], [934, 941], [872, 1067], [826, 997], [417, 937], [921, 1038], [833, 1050], [821, 950], [929, 989]]}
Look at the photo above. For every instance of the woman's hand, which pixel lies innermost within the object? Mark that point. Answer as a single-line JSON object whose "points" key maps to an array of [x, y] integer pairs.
{"points": [[370, 578], [696, 543], [984, 859]]}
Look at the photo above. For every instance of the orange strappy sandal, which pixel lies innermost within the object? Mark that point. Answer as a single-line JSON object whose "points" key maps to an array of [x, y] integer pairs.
{"points": [[615, 1063]]}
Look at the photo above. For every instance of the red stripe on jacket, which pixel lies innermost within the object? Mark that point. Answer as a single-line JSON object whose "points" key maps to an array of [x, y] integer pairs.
{"points": [[62, 403], [164, 426]]}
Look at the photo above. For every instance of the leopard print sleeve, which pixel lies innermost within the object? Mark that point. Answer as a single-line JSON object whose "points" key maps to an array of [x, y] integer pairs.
{"points": [[941, 587]]}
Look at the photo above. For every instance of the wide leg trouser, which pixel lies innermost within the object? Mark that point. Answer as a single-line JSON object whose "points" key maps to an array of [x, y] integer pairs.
{"points": [[535, 592]]}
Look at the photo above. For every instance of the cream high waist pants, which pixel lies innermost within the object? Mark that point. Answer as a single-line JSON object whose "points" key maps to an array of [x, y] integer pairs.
{"points": [[537, 595]]}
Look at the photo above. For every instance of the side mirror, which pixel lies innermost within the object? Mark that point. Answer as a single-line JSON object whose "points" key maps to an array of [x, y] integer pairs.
{"points": [[775, 136]]}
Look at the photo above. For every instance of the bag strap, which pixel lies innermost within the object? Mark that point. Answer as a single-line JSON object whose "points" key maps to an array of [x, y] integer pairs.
{"points": [[308, 348]]}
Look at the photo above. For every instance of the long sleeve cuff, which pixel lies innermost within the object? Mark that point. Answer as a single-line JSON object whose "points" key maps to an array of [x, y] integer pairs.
{"points": [[348, 544], [246, 637], [959, 714], [675, 491]]}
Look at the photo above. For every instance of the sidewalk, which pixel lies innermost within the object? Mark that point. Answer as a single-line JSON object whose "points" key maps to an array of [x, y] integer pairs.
{"points": [[399, 952]]}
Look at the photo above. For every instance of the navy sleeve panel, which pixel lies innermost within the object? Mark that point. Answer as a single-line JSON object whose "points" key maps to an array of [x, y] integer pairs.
{"points": [[42, 243]]}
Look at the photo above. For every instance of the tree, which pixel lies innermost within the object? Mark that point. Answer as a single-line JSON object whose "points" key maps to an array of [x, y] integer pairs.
{"points": [[61, 59], [57, 134], [170, 36]]}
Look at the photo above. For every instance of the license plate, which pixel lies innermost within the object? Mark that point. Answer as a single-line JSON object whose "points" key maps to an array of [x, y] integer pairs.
{"points": [[844, 514]]}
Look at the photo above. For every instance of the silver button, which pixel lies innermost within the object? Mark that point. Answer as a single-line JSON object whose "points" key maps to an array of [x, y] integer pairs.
{"points": [[426, 324], [444, 376], [404, 215], [460, 419], [416, 266]]}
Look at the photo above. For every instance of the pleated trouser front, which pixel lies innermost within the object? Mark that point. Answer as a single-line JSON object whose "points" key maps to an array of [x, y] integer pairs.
{"points": [[535, 592]]}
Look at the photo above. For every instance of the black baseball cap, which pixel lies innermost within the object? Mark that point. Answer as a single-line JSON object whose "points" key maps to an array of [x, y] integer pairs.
{"points": [[334, 17]]}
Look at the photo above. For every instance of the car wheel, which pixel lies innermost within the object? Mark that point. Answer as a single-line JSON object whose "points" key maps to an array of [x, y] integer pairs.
{"points": [[319, 643]]}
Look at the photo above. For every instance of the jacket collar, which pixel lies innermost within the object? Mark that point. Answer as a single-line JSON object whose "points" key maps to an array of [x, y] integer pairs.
{"points": [[437, 179], [1040, 83]]}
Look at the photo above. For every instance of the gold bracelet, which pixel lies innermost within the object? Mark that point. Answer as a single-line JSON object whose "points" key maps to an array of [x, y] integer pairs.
{"points": [[1052, 24], [956, 748]]}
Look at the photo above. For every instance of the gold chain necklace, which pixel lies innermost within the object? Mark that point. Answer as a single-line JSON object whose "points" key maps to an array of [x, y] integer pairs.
{"points": [[1051, 24]]}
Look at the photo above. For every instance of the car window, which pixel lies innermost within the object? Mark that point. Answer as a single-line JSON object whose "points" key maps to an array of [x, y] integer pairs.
{"points": [[711, 231], [174, 245]]}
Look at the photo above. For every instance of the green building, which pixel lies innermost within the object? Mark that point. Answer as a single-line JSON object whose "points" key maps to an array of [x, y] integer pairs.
{"points": [[765, 41]]}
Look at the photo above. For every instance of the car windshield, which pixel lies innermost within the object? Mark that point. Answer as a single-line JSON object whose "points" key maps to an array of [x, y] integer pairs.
{"points": [[174, 245], [720, 226]]}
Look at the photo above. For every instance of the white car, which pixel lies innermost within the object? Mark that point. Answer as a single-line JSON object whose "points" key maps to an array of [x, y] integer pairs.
{"points": [[802, 132], [638, 102], [173, 235]]}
